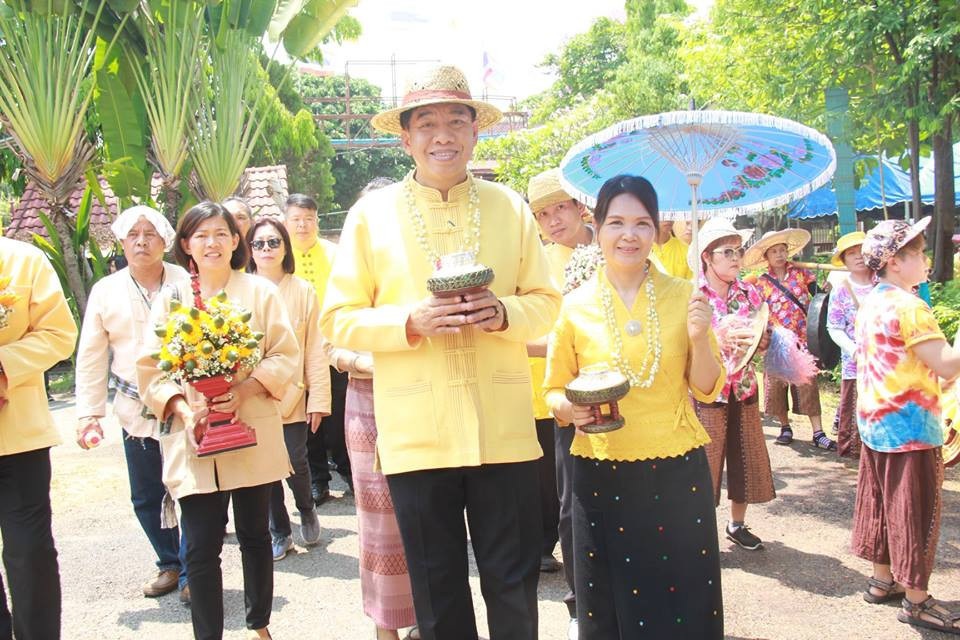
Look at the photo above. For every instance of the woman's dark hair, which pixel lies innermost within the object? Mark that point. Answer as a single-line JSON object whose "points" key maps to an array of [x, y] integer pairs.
{"points": [[194, 218], [288, 264], [639, 188]]}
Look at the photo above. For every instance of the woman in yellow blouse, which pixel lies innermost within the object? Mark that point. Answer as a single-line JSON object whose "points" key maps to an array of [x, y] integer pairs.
{"points": [[307, 397], [208, 244], [645, 536]]}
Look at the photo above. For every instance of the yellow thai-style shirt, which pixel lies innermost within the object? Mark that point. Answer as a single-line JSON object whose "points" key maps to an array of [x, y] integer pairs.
{"points": [[40, 332], [672, 255], [557, 257], [660, 420], [314, 265], [454, 400]]}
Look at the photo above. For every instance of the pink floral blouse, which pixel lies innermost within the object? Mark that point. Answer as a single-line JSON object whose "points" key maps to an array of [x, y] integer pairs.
{"points": [[783, 311], [743, 299]]}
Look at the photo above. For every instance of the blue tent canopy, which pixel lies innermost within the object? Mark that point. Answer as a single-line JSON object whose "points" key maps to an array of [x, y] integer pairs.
{"points": [[896, 189], [870, 195]]}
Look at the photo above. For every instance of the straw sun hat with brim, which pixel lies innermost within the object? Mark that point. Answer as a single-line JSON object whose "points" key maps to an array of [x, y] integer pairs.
{"points": [[545, 190], [436, 86], [795, 239], [712, 230], [848, 241]]}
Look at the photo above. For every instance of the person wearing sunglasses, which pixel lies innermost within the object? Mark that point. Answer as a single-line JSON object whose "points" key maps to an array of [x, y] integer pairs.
{"points": [[733, 418], [307, 399]]}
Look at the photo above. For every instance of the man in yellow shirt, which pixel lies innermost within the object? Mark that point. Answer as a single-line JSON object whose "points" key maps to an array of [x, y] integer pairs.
{"points": [[37, 333], [452, 385], [561, 220], [313, 257], [671, 252]]}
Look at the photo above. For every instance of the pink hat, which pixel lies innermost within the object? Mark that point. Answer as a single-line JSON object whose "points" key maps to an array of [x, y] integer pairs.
{"points": [[888, 237]]}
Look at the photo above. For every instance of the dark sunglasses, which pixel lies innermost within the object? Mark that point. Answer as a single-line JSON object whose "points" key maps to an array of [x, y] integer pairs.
{"points": [[729, 253], [259, 245]]}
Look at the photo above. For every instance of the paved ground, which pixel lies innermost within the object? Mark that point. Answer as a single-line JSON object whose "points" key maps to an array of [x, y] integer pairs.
{"points": [[804, 585]]}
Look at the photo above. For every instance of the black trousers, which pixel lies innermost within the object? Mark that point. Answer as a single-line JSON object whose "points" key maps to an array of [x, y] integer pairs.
{"points": [[295, 437], [29, 556], [329, 441], [202, 523], [549, 498], [563, 439], [501, 502]]}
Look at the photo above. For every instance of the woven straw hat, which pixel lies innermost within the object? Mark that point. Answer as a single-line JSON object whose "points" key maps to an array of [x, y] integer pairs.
{"points": [[795, 239], [437, 85], [847, 241], [544, 190], [712, 230]]}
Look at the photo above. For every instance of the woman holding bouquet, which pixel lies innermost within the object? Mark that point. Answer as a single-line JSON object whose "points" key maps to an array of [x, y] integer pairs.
{"points": [[208, 245], [645, 538]]}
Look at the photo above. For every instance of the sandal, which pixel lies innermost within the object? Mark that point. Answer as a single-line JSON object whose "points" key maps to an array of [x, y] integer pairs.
{"points": [[823, 441], [785, 437], [888, 589], [413, 634], [943, 619]]}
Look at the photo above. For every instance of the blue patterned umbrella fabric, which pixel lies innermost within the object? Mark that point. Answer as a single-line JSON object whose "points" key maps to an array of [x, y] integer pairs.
{"points": [[715, 162]]}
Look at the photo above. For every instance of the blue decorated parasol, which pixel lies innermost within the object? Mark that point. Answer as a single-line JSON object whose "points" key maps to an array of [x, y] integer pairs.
{"points": [[715, 162]]}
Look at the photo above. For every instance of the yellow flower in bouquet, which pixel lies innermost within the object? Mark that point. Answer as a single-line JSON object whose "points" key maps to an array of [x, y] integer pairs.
{"points": [[215, 340], [7, 300]]}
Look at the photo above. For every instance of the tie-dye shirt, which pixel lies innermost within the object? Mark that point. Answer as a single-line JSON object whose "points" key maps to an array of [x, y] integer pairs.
{"points": [[898, 396]]}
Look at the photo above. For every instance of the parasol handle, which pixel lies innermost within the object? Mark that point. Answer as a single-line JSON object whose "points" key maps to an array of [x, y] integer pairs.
{"points": [[694, 179]]}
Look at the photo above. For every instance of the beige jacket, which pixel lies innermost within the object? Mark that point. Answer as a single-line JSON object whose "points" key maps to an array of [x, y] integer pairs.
{"points": [[41, 332], [313, 367], [183, 472], [116, 323]]}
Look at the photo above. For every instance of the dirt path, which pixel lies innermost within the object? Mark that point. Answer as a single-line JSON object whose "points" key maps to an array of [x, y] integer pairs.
{"points": [[804, 585]]}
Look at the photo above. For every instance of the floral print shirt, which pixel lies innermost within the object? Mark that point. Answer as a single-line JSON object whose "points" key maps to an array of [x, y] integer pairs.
{"points": [[743, 299], [898, 396], [783, 311], [841, 313]]}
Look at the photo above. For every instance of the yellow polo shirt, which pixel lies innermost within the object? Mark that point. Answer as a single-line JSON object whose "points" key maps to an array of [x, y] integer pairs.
{"points": [[454, 400], [314, 265], [672, 255], [660, 420]]}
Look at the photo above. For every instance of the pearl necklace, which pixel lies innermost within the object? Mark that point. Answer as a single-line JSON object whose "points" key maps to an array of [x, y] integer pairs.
{"points": [[651, 360], [471, 235]]}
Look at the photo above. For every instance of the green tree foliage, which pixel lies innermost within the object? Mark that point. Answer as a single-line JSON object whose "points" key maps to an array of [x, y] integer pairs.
{"points": [[899, 59], [352, 169], [652, 78], [523, 154], [586, 64]]}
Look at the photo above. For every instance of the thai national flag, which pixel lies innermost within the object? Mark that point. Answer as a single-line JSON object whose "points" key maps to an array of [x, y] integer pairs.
{"points": [[489, 75]]}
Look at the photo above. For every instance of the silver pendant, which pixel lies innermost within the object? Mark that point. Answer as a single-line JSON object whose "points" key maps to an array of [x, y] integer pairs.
{"points": [[633, 328]]}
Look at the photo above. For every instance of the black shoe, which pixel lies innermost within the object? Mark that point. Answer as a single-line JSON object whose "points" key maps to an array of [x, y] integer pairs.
{"points": [[742, 536], [549, 564], [185, 596], [785, 437], [822, 441], [320, 494]]}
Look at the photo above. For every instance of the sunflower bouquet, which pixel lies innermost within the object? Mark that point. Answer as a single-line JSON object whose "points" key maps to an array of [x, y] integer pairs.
{"points": [[7, 300], [206, 341]]}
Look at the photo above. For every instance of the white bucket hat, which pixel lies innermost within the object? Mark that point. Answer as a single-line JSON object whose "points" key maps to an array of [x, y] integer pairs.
{"points": [[714, 229]]}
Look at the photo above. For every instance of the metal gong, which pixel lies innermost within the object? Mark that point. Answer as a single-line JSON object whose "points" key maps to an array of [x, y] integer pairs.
{"points": [[819, 342]]}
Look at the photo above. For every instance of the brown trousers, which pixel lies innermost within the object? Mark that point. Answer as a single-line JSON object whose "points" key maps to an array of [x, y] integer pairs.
{"points": [[736, 436], [897, 517], [805, 399], [848, 435]]}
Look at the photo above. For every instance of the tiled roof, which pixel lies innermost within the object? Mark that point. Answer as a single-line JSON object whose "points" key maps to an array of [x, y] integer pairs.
{"points": [[264, 189], [24, 221]]}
